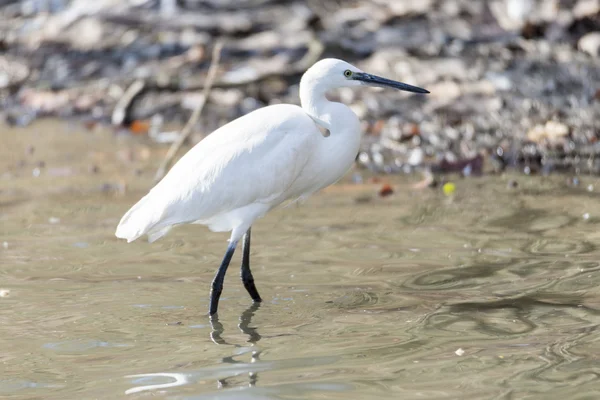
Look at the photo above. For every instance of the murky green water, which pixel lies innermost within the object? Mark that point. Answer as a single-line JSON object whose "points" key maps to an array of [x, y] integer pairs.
{"points": [[491, 294]]}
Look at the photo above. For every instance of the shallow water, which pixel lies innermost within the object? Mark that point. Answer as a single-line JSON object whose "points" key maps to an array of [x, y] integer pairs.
{"points": [[490, 294]]}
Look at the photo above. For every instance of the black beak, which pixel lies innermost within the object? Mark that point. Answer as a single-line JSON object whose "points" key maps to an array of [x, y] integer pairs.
{"points": [[374, 80]]}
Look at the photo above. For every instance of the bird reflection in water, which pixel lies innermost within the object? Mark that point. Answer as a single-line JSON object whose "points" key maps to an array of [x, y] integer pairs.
{"points": [[253, 337], [244, 325], [216, 335]]}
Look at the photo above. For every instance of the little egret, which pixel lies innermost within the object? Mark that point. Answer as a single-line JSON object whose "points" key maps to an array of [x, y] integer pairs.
{"points": [[249, 166]]}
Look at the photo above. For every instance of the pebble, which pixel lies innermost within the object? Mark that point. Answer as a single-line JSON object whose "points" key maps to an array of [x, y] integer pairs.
{"points": [[416, 157], [590, 44], [552, 131]]}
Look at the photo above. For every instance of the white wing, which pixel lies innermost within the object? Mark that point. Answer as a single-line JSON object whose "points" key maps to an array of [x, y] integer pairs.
{"points": [[254, 159]]}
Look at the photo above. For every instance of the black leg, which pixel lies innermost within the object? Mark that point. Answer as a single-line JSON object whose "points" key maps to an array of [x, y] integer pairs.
{"points": [[217, 283], [246, 274]]}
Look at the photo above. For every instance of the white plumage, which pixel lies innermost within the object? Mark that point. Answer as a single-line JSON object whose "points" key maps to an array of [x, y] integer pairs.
{"points": [[256, 162], [234, 175]]}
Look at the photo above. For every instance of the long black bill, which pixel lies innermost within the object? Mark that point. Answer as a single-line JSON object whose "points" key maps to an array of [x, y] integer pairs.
{"points": [[374, 80]]}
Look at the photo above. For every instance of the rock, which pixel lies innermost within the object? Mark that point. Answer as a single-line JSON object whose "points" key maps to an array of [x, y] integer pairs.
{"points": [[416, 157], [586, 8], [86, 34], [13, 71], [590, 44], [552, 131], [445, 90], [402, 8], [511, 14], [45, 101]]}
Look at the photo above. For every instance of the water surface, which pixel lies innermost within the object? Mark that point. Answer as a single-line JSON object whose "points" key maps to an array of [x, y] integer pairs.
{"points": [[489, 294]]}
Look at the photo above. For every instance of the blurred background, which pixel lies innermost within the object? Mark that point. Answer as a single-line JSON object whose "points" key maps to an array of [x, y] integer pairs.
{"points": [[513, 82], [457, 260]]}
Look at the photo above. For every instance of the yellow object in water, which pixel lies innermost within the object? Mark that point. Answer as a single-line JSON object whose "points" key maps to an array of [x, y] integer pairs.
{"points": [[449, 188]]}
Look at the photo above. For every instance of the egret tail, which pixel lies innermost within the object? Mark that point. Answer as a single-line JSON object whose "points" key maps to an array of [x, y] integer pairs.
{"points": [[142, 219]]}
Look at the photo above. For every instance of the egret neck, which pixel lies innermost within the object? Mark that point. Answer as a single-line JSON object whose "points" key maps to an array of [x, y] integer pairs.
{"points": [[339, 120]]}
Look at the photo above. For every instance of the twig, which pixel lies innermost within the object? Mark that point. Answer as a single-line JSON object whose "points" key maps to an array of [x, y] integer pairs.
{"points": [[187, 129], [122, 110], [428, 180]]}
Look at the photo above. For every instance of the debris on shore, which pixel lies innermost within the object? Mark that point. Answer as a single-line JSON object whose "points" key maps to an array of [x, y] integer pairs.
{"points": [[514, 84]]}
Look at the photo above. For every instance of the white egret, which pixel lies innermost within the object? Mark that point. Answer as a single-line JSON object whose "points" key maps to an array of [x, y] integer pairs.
{"points": [[256, 162]]}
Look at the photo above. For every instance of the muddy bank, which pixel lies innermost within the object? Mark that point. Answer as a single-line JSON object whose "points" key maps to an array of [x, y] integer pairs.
{"points": [[514, 83]]}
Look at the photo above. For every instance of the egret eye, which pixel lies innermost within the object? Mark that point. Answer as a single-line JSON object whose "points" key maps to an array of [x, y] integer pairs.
{"points": [[347, 73]]}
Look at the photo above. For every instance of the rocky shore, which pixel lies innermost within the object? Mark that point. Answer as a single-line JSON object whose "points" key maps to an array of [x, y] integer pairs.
{"points": [[514, 83]]}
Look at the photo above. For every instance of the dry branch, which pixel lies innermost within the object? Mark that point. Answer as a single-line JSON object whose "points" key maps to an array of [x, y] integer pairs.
{"points": [[187, 129]]}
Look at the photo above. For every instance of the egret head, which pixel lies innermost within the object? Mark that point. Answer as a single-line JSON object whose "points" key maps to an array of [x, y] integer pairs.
{"points": [[331, 73]]}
